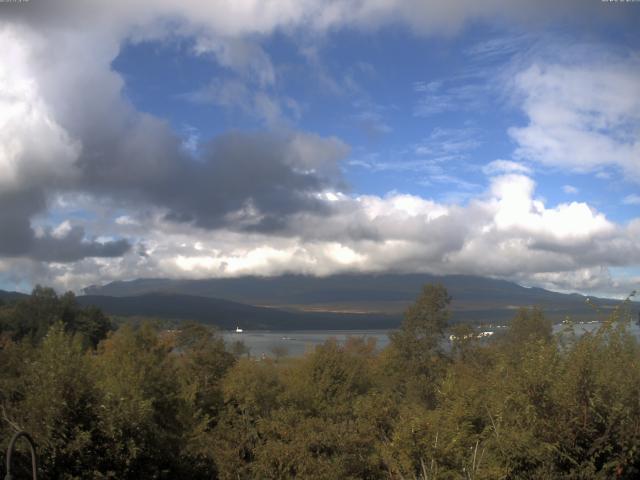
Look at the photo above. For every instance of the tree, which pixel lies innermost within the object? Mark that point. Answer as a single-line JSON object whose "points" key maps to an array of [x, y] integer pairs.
{"points": [[56, 401], [529, 325], [239, 349], [32, 317], [203, 362], [424, 322], [416, 356], [251, 391], [279, 352], [140, 404]]}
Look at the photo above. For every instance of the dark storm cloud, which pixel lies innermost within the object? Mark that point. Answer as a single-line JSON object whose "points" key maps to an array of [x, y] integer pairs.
{"points": [[73, 246], [19, 239], [240, 180], [82, 135], [16, 209], [103, 147], [244, 180]]}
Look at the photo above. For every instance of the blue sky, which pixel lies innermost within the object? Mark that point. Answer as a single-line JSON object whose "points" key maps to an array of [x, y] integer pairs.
{"points": [[421, 115], [193, 140]]}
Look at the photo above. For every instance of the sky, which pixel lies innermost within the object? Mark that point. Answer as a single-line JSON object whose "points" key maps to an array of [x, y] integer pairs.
{"points": [[193, 139]]}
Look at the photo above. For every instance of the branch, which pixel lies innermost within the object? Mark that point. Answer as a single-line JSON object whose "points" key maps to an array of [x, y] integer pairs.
{"points": [[11, 423]]}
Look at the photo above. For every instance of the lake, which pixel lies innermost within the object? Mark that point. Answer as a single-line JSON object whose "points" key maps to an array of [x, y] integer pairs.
{"points": [[296, 343]]}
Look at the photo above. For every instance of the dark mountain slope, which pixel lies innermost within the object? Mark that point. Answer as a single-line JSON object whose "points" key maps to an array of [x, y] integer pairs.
{"points": [[11, 296], [363, 293], [227, 315]]}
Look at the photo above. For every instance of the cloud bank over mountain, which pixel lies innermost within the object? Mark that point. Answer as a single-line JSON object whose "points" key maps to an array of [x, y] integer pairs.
{"points": [[94, 188]]}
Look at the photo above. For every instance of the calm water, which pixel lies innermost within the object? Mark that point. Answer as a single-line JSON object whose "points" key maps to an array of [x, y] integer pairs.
{"points": [[296, 343]]}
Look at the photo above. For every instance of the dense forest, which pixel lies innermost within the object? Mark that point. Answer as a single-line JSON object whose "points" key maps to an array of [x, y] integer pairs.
{"points": [[143, 402]]}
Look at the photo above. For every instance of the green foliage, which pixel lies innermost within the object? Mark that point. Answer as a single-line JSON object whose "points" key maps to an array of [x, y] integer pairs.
{"points": [[529, 325], [55, 401], [424, 323], [203, 362], [416, 361], [32, 317], [178, 403], [328, 381], [239, 349]]}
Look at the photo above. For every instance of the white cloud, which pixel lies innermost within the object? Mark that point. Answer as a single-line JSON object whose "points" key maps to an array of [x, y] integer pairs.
{"points": [[228, 18], [597, 281], [34, 148], [506, 233], [570, 190], [125, 220], [582, 117], [61, 230], [239, 54], [505, 166], [517, 209], [61, 57]]}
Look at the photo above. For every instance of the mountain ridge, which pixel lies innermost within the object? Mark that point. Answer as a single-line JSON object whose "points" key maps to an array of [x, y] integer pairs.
{"points": [[347, 301], [475, 299], [345, 288]]}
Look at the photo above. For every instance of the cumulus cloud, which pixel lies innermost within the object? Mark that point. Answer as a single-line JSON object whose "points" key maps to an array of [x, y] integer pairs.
{"points": [[36, 153], [271, 202], [34, 148], [595, 279], [248, 180], [507, 232]]}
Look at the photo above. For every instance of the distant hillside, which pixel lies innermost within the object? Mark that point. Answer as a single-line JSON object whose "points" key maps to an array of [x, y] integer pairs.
{"points": [[11, 296], [225, 314], [335, 302], [474, 298], [228, 315]]}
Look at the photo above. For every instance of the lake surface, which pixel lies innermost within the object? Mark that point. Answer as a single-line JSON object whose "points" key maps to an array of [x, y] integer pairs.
{"points": [[296, 343]]}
